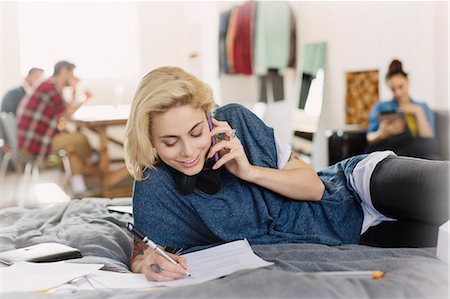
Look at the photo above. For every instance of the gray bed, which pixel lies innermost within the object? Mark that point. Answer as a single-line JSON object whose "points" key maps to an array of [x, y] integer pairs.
{"points": [[410, 273]]}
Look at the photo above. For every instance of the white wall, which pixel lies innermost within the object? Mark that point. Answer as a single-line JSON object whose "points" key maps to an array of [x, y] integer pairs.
{"points": [[368, 35], [171, 32], [112, 80], [167, 32], [9, 58]]}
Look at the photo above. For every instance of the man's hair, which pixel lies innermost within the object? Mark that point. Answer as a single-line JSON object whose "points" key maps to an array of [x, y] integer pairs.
{"points": [[34, 69], [62, 65]]}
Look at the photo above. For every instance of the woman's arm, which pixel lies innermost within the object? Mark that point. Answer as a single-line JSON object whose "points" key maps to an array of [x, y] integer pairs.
{"points": [[143, 257], [425, 129], [297, 180]]}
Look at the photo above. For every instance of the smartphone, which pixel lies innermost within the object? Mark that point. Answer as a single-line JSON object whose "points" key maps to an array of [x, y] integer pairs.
{"points": [[210, 162]]}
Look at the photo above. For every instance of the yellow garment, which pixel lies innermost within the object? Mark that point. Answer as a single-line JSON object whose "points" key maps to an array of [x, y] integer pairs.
{"points": [[412, 124]]}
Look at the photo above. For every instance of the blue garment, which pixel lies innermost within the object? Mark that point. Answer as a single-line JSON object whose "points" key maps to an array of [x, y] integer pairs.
{"points": [[244, 210], [392, 106], [223, 27]]}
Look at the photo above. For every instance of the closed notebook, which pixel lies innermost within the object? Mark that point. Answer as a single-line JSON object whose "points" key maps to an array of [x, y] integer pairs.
{"points": [[45, 252]]}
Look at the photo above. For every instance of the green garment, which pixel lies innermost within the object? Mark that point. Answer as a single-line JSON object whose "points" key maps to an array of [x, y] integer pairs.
{"points": [[272, 36], [315, 55]]}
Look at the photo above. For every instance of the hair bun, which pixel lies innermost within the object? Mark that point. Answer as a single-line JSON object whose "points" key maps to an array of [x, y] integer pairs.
{"points": [[395, 66]]}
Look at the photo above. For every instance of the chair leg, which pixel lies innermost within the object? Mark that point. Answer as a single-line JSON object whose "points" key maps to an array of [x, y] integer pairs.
{"points": [[35, 171], [28, 169], [24, 193], [66, 163], [67, 169], [4, 166]]}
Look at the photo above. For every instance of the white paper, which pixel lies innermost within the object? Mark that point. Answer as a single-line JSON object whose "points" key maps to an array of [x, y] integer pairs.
{"points": [[121, 209], [218, 261], [27, 277], [203, 265], [78, 284], [114, 280]]}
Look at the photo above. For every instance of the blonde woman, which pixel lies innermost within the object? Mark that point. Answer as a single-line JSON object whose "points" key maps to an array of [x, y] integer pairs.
{"points": [[204, 180]]}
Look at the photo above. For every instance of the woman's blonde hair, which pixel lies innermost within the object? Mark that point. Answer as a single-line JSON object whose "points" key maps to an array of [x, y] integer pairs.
{"points": [[160, 90]]}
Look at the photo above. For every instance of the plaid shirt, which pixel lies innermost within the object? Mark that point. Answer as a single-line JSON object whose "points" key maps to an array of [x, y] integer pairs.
{"points": [[37, 118]]}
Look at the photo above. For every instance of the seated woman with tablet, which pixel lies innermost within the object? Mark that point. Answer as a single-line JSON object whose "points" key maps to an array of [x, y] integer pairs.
{"points": [[402, 124]]}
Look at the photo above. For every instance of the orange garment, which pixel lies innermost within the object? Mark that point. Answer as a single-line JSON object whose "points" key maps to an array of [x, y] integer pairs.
{"points": [[230, 39]]}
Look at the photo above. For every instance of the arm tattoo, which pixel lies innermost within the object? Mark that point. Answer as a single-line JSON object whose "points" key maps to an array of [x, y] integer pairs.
{"points": [[138, 248]]}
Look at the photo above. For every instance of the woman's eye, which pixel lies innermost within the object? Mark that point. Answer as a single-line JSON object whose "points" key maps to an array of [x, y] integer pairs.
{"points": [[170, 144], [196, 134]]}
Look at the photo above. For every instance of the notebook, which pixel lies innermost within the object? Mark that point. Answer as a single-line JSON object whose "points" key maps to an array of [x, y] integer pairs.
{"points": [[44, 252]]}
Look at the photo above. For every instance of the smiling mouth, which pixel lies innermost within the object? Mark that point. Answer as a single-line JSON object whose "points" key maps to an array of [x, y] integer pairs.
{"points": [[190, 163]]}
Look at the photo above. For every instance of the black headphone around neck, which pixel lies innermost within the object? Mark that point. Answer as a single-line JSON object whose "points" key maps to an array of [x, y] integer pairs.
{"points": [[207, 180]]}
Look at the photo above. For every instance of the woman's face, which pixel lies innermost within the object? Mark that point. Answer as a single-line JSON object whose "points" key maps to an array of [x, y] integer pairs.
{"points": [[181, 138], [399, 86]]}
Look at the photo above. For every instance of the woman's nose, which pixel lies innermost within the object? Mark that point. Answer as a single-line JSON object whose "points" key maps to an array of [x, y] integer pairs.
{"points": [[187, 149]]}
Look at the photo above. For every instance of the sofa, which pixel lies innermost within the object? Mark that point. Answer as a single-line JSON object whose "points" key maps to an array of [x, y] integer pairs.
{"points": [[352, 141]]}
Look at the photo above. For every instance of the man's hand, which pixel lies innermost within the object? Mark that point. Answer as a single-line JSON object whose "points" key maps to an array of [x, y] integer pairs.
{"points": [[61, 124], [73, 82], [87, 96]]}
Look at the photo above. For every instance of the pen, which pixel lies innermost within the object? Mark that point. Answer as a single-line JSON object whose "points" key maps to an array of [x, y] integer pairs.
{"points": [[145, 239], [373, 274]]}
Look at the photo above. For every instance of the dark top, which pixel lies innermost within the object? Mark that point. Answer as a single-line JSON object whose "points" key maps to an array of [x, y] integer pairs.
{"points": [[12, 99]]}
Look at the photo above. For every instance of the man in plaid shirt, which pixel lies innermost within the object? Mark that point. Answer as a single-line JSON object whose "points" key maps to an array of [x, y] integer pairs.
{"points": [[40, 120]]}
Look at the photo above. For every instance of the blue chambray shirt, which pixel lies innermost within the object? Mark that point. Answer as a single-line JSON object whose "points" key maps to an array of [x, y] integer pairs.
{"points": [[245, 210], [393, 106]]}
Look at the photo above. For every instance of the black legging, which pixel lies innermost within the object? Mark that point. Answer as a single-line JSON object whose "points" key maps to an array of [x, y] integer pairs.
{"points": [[426, 148], [414, 191]]}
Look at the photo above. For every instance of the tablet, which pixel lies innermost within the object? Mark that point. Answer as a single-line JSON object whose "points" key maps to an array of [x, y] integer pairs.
{"points": [[390, 116], [44, 252]]}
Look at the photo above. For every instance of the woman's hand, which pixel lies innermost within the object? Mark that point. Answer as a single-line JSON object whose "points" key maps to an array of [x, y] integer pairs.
{"points": [[411, 108], [156, 268], [296, 180], [231, 151], [425, 128], [389, 128]]}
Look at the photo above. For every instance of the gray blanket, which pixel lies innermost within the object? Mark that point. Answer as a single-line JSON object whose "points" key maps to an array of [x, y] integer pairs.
{"points": [[410, 273]]}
